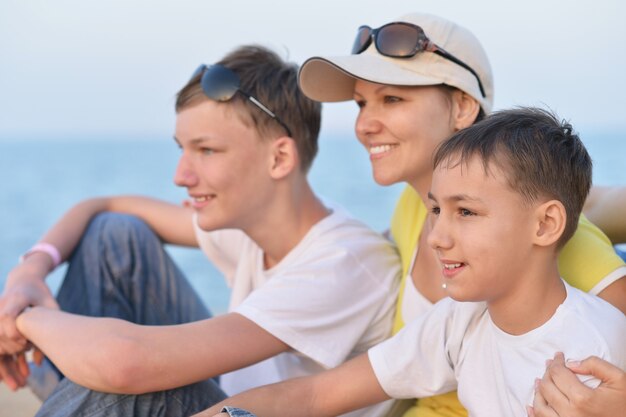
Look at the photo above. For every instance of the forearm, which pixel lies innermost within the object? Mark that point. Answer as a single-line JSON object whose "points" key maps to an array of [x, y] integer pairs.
{"points": [[110, 355], [89, 351], [284, 399], [351, 386], [117, 356], [172, 223], [68, 230]]}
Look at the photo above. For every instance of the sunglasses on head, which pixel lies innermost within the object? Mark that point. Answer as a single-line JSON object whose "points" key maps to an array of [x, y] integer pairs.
{"points": [[220, 84], [403, 40]]}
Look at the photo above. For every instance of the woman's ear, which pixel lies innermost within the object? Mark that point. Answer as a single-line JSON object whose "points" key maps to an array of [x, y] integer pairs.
{"points": [[551, 219], [465, 109], [284, 157]]}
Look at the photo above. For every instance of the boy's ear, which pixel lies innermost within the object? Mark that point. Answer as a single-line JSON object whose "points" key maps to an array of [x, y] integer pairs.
{"points": [[551, 219], [284, 157], [465, 110]]}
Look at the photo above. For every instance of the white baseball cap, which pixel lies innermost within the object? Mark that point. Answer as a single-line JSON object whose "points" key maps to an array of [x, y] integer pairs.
{"points": [[332, 79]]}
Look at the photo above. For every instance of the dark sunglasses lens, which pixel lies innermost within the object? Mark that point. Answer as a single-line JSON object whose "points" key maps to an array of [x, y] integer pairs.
{"points": [[362, 41], [397, 40], [219, 83]]}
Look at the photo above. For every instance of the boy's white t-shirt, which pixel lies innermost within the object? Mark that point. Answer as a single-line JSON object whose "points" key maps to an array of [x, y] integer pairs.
{"points": [[331, 298], [457, 346]]}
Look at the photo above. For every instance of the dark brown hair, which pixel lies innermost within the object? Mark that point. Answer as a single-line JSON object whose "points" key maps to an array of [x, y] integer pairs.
{"points": [[540, 155], [273, 82]]}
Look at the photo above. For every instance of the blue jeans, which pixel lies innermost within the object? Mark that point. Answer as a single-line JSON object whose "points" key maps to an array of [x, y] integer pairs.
{"points": [[121, 270]]}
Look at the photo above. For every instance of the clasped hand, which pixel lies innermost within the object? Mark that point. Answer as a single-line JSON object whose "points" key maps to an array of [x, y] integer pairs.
{"points": [[25, 287]]}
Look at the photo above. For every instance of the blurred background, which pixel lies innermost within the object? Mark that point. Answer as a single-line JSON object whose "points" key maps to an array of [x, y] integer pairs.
{"points": [[87, 92]]}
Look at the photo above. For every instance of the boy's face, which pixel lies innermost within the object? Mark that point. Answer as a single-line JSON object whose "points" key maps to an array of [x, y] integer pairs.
{"points": [[481, 230], [224, 165]]}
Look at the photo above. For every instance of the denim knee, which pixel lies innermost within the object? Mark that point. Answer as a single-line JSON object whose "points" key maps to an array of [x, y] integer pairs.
{"points": [[110, 226]]}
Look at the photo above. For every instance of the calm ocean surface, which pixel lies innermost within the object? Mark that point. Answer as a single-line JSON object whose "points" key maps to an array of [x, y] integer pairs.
{"points": [[41, 179]]}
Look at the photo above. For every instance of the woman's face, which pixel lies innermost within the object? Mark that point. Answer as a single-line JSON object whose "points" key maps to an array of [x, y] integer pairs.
{"points": [[401, 127]]}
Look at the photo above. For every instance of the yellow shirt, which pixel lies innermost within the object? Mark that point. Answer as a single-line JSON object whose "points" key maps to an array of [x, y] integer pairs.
{"points": [[584, 261]]}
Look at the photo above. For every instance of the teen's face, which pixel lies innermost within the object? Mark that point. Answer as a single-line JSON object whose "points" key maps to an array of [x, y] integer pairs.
{"points": [[401, 127], [223, 165], [481, 231]]}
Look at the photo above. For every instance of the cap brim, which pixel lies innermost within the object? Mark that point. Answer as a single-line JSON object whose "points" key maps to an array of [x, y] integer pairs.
{"points": [[331, 79]]}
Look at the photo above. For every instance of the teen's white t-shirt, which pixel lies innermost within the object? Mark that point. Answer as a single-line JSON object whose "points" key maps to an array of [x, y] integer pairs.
{"points": [[457, 346], [331, 298]]}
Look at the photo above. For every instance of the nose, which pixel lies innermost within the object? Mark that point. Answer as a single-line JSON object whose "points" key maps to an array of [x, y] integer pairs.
{"points": [[367, 124], [185, 175], [439, 236]]}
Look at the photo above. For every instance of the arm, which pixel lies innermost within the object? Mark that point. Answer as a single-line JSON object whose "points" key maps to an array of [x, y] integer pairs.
{"points": [[605, 207], [116, 356], [350, 386], [171, 222], [26, 282], [560, 393]]}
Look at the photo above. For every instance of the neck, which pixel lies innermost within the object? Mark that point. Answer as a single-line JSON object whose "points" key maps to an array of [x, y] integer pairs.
{"points": [[422, 186], [292, 213], [532, 302]]}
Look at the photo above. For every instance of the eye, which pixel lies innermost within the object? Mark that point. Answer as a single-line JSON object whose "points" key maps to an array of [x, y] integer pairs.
{"points": [[392, 99], [435, 210], [207, 151], [360, 103], [466, 213]]}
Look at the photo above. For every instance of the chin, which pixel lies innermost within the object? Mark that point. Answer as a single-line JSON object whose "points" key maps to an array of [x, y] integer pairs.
{"points": [[462, 296], [385, 180], [210, 225]]}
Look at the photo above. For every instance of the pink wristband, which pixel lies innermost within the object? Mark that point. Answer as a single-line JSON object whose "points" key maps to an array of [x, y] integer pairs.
{"points": [[51, 250]]}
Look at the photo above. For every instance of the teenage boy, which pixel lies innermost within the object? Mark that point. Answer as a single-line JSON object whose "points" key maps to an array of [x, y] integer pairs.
{"points": [[311, 287], [505, 197]]}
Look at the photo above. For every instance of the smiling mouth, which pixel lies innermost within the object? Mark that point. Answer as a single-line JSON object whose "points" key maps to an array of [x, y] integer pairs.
{"points": [[200, 201], [450, 270], [379, 149]]}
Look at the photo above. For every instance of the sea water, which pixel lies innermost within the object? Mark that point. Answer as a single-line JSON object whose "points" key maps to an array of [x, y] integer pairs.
{"points": [[41, 178]]}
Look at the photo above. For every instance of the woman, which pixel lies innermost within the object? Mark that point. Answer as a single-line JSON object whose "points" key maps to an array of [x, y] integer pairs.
{"points": [[416, 81]]}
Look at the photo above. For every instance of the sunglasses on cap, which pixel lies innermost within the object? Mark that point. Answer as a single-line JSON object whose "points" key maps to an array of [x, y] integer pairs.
{"points": [[220, 84], [403, 40]]}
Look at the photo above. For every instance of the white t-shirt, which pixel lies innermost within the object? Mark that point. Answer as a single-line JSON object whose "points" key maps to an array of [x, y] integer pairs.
{"points": [[457, 346], [331, 298]]}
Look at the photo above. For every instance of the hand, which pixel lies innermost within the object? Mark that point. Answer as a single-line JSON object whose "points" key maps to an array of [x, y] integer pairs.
{"points": [[14, 370], [560, 393], [25, 287]]}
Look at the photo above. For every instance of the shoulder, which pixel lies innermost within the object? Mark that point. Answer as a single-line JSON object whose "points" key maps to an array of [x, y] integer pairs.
{"points": [[599, 322], [340, 233], [594, 309]]}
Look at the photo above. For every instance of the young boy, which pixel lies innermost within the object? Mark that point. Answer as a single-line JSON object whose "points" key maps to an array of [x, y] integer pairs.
{"points": [[311, 287], [505, 197]]}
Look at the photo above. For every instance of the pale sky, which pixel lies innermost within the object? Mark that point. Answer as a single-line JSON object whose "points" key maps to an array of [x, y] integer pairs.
{"points": [[83, 68]]}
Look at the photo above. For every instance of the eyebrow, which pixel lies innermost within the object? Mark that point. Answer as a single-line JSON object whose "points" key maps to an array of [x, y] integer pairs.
{"points": [[378, 90], [457, 197], [195, 141]]}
